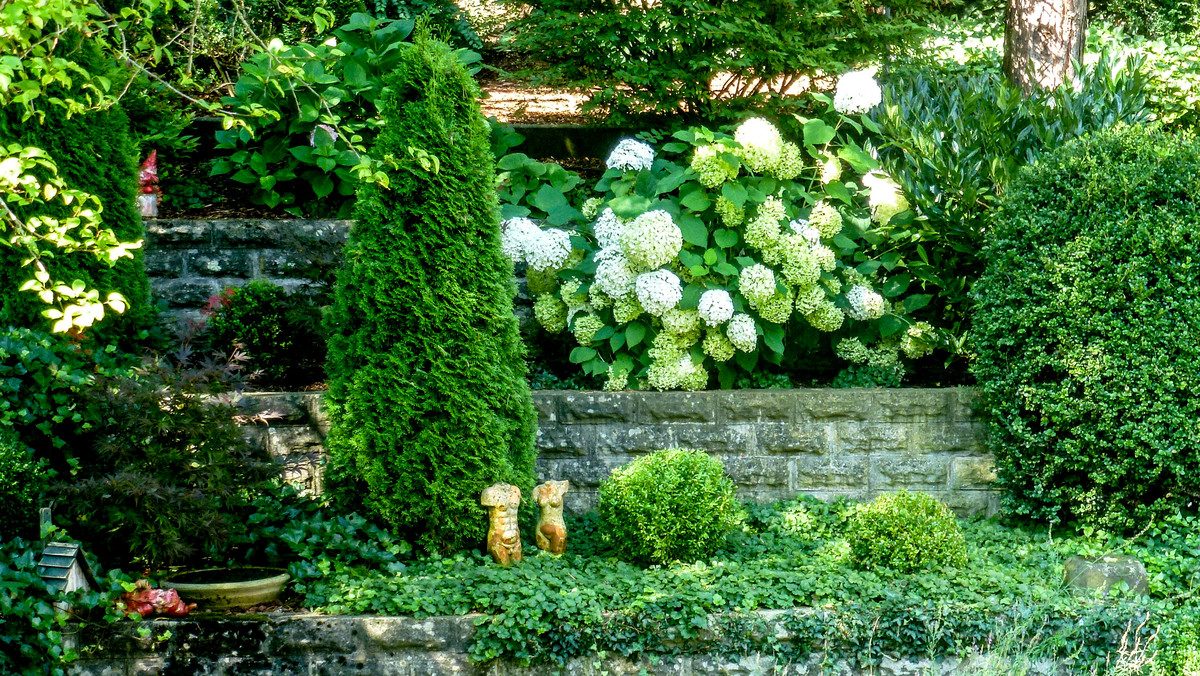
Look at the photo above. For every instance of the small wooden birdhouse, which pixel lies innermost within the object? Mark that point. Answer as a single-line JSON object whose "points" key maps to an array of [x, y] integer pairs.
{"points": [[64, 568]]}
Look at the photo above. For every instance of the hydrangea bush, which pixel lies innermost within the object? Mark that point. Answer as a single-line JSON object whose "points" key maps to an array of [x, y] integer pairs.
{"points": [[712, 252]]}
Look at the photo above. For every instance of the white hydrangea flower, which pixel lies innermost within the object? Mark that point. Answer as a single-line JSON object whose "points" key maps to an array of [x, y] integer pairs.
{"points": [[631, 155], [917, 341], [614, 276], [886, 198], [742, 333], [608, 228], [515, 234], [711, 168], [550, 251], [802, 227], [857, 92], [716, 306], [658, 291], [681, 322], [831, 169], [591, 207], [865, 304], [757, 283], [761, 144], [652, 240], [826, 219]]}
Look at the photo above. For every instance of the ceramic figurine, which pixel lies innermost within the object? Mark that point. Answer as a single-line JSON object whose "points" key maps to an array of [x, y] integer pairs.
{"points": [[551, 529], [504, 536]]}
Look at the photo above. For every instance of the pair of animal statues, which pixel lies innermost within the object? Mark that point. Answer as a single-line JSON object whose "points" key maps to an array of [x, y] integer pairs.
{"points": [[504, 535]]}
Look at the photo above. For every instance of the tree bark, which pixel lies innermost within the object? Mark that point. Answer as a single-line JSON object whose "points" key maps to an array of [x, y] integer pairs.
{"points": [[1041, 40]]}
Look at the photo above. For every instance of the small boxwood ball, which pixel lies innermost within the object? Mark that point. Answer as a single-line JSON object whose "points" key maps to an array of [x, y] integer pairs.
{"points": [[671, 505], [906, 532]]}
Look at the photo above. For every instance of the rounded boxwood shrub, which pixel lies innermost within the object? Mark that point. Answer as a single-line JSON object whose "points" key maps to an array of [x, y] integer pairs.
{"points": [[671, 505], [905, 531], [22, 481], [1085, 332], [429, 403]]}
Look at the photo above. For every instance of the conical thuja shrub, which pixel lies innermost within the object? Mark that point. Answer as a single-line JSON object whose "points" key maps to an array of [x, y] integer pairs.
{"points": [[428, 399]]}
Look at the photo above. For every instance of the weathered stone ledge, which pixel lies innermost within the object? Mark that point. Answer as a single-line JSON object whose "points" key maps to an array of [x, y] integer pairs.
{"points": [[775, 444], [303, 644]]}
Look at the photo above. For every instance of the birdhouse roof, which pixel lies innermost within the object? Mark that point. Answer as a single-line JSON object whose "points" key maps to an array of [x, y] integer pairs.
{"points": [[57, 562]]}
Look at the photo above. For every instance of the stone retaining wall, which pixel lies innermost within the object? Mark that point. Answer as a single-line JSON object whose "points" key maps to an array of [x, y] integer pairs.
{"points": [[775, 444], [189, 261], [288, 644]]}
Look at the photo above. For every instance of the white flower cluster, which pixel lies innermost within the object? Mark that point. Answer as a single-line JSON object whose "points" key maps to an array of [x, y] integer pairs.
{"points": [[591, 207], [757, 283], [801, 227], [631, 155], [614, 276], [608, 228], [865, 304], [764, 150], [711, 168], [672, 367], [886, 198], [522, 240], [857, 92], [742, 332], [716, 307], [762, 232], [658, 291], [826, 219], [917, 341], [652, 240]]}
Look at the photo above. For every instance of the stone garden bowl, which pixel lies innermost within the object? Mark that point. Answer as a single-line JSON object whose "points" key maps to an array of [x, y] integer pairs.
{"points": [[222, 588]]}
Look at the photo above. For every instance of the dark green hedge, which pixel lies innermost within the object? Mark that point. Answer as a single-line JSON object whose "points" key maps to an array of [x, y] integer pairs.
{"points": [[427, 378], [94, 153], [1087, 331]]}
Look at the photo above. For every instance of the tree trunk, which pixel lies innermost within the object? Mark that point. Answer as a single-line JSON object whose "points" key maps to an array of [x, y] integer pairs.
{"points": [[1041, 38]]}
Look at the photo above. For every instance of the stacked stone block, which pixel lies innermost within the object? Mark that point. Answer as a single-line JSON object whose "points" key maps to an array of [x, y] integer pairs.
{"points": [[775, 444], [189, 261]]}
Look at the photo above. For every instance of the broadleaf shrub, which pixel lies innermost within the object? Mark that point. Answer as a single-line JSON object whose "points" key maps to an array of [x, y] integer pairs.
{"points": [[306, 118], [1087, 358], [717, 254], [43, 380], [429, 403], [278, 332], [702, 58], [671, 505], [955, 143], [905, 531], [166, 474]]}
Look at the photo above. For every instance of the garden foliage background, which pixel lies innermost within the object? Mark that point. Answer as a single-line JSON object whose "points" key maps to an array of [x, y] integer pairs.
{"points": [[820, 194]]}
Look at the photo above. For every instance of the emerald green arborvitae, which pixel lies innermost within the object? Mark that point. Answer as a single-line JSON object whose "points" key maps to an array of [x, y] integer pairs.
{"points": [[428, 399], [94, 153]]}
